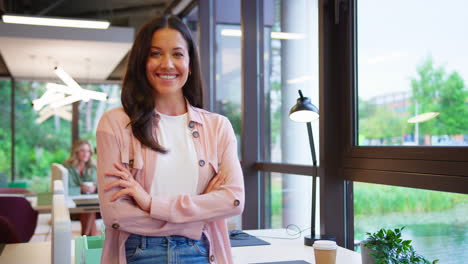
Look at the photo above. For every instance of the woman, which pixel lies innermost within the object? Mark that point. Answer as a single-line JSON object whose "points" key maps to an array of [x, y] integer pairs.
{"points": [[81, 178], [168, 172]]}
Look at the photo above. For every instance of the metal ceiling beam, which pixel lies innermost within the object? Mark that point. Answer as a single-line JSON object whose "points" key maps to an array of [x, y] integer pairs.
{"points": [[123, 11], [50, 7]]}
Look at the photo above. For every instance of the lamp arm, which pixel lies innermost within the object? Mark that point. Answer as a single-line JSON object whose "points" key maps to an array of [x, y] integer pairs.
{"points": [[312, 146], [314, 180]]}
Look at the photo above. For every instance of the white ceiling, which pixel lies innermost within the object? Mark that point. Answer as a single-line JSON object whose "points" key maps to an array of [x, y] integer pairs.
{"points": [[86, 54]]}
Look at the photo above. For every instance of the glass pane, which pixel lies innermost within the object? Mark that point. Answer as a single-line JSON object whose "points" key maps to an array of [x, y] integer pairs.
{"points": [[191, 20], [40, 138], [228, 75], [291, 64], [5, 132], [91, 111], [436, 222], [288, 201], [412, 73]]}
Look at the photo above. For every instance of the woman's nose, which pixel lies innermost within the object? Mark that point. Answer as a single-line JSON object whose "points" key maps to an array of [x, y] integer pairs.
{"points": [[167, 62]]}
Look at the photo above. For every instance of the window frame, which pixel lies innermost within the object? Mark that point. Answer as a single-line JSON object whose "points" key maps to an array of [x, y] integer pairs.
{"points": [[432, 168]]}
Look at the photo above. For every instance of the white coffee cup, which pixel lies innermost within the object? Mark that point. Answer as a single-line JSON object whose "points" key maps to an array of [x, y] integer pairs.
{"points": [[325, 251], [88, 185]]}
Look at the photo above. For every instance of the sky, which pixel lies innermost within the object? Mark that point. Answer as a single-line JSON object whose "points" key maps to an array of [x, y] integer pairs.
{"points": [[394, 37]]}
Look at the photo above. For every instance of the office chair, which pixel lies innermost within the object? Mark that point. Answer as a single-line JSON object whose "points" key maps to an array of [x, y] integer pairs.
{"points": [[18, 217]]}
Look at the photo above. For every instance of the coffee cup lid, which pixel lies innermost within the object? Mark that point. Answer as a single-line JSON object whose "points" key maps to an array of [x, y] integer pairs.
{"points": [[325, 245]]}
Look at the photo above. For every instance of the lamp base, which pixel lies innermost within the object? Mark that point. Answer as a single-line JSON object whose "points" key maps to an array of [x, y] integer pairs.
{"points": [[309, 241]]}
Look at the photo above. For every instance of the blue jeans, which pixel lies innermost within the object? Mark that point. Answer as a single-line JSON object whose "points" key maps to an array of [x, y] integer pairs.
{"points": [[170, 250]]}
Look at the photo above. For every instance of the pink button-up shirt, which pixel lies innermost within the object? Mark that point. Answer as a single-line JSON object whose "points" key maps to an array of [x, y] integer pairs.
{"points": [[184, 215]]}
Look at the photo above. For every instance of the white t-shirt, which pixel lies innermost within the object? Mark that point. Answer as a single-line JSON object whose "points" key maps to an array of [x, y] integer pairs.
{"points": [[177, 170]]}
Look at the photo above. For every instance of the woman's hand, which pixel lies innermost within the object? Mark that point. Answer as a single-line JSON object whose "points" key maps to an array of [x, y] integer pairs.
{"points": [[129, 187], [215, 183]]}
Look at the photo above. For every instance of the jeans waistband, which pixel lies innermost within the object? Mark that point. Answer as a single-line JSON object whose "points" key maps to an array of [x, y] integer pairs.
{"points": [[162, 240]]}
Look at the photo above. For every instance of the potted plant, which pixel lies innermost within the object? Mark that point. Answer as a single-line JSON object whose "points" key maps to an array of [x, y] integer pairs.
{"points": [[387, 247]]}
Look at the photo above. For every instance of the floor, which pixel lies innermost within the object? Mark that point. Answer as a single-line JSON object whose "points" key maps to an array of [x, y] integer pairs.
{"points": [[42, 232]]}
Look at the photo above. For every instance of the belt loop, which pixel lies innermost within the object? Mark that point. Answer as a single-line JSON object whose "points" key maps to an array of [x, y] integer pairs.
{"points": [[143, 242]]}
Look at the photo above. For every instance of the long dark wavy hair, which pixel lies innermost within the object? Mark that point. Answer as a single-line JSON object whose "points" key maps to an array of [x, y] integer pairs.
{"points": [[138, 96]]}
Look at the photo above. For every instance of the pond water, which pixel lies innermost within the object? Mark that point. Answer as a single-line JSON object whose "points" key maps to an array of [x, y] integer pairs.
{"points": [[435, 235], [446, 242]]}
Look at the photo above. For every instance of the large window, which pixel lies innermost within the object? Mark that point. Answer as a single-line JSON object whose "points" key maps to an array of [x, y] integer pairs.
{"points": [[40, 139], [408, 90], [291, 64], [228, 74], [291, 57], [412, 75], [43, 135], [436, 222]]}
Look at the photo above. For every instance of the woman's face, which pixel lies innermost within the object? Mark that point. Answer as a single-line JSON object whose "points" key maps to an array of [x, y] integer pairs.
{"points": [[168, 64], [84, 153]]}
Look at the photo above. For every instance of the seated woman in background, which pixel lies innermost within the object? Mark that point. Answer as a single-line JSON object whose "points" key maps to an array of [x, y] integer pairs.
{"points": [[82, 179]]}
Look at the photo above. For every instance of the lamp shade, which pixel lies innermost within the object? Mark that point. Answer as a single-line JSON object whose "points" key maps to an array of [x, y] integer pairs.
{"points": [[304, 111]]}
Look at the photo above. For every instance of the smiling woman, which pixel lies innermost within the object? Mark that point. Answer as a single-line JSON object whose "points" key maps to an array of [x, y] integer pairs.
{"points": [[168, 171]]}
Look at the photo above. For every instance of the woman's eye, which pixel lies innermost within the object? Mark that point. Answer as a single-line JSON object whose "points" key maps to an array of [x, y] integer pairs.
{"points": [[179, 54], [155, 53]]}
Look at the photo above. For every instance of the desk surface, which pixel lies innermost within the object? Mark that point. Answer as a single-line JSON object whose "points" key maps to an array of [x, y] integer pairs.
{"points": [[72, 202], [27, 253], [285, 250], [31, 253]]}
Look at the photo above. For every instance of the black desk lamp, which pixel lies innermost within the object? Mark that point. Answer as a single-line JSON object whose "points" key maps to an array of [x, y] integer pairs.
{"points": [[305, 112]]}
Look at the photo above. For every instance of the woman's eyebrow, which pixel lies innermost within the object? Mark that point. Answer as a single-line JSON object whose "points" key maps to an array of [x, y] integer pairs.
{"points": [[176, 48]]}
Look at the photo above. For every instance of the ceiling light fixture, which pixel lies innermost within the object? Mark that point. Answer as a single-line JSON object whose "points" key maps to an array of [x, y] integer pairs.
{"points": [[62, 112], [55, 21], [75, 89], [58, 95]]}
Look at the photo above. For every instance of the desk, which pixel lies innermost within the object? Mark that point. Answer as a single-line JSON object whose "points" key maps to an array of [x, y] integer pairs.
{"points": [[27, 253], [283, 250], [30, 253], [279, 250], [88, 203]]}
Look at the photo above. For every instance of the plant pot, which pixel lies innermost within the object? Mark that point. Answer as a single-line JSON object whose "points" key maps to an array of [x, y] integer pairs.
{"points": [[366, 254]]}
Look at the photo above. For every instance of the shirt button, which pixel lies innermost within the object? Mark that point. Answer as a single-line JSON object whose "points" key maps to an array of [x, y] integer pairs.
{"points": [[212, 258], [115, 226], [195, 134], [191, 124], [236, 202], [201, 163]]}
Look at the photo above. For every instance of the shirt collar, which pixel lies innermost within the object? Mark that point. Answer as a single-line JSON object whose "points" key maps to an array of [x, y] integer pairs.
{"points": [[193, 113]]}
